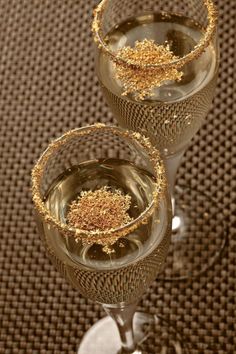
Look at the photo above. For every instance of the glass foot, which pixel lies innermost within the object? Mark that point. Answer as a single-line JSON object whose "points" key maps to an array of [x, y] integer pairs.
{"points": [[199, 235], [153, 334]]}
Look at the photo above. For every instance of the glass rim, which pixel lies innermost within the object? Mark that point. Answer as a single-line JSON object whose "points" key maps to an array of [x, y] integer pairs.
{"points": [[81, 234], [177, 63]]}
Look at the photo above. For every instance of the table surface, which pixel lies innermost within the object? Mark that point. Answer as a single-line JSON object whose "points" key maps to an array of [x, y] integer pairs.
{"points": [[47, 86]]}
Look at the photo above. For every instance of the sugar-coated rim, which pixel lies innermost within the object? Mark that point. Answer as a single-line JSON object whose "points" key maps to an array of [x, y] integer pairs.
{"points": [[177, 63], [100, 236]]}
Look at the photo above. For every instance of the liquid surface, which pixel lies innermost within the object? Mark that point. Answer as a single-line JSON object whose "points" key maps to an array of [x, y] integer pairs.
{"points": [[136, 259], [116, 174], [173, 113]]}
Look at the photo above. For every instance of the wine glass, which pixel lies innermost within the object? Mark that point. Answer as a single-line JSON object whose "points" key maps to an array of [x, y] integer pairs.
{"points": [[167, 98], [88, 159]]}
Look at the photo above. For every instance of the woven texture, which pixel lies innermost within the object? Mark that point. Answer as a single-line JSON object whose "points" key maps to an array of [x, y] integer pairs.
{"points": [[47, 86]]}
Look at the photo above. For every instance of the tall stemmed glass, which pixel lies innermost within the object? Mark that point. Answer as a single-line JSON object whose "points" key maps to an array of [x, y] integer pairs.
{"points": [[88, 159], [157, 63]]}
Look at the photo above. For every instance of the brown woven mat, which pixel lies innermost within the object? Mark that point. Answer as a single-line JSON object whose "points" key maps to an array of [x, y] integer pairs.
{"points": [[48, 85]]}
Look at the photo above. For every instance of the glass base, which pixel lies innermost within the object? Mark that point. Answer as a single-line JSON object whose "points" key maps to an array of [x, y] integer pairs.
{"points": [[199, 235], [153, 334]]}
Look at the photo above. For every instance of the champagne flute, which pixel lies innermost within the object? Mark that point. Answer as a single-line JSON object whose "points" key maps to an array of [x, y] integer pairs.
{"points": [[166, 98], [88, 159]]}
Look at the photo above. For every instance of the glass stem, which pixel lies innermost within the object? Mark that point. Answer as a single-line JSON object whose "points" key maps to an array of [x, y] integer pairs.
{"points": [[123, 317], [172, 163]]}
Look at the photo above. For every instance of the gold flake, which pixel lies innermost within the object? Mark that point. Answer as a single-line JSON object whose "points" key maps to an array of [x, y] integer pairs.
{"points": [[139, 80], [101, 209]]}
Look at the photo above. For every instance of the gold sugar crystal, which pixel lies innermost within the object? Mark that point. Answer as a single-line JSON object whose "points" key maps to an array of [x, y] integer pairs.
{"points": [[136, 66], [110, 236], [139, 75]]}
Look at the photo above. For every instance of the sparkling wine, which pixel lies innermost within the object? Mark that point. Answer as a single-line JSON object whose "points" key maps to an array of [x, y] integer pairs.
{"points": [[174, 112], [134, 261]]}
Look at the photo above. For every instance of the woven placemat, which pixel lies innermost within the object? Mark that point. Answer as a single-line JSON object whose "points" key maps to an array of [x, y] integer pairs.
{"points": [[47, 86]]}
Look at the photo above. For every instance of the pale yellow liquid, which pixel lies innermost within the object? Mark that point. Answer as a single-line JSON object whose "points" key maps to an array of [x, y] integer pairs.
{"points": [[124, 274], [174, 112]]}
